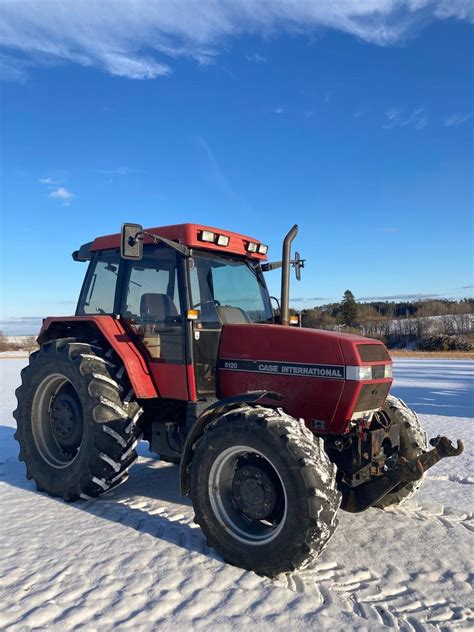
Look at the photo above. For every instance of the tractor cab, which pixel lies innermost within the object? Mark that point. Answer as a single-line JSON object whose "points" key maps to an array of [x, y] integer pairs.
{"points": [[173, 294]]}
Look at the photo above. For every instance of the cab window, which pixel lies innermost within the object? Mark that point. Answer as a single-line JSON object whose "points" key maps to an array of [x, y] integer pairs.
{"points": [[98, 294], [227, 290], [151, 303]]}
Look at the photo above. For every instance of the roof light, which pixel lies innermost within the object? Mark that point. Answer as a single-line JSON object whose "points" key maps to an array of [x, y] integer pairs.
{"points": [[263, 249], [222, 240], [251, 246], [294, 320], [208, 235]]}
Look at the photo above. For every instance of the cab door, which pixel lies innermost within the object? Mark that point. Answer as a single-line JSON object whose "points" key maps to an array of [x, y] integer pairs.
{"points": [[206, 331], [152, 310]]}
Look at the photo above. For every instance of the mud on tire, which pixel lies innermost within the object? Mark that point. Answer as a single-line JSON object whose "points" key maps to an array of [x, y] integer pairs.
{"points": [[413, 442], [302, 474], [76, 419]]}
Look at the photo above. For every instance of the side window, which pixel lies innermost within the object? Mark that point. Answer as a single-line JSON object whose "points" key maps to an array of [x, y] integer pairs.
{"points": [[152, 289], [99, 292], [152, 306]]}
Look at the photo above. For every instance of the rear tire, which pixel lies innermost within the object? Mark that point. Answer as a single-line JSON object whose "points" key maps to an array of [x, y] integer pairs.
{"points": [[76, 419], [264, 491], [413, 443]]}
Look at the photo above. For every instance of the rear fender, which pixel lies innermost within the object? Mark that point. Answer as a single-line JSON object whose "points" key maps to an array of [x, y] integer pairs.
{"points": [[210, 414], [112, 331]]}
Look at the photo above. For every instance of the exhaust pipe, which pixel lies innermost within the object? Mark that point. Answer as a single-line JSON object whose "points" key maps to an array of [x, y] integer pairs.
{"points": [[285, 275]]}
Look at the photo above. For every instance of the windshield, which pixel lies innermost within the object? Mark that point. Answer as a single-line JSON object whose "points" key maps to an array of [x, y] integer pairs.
{"points": [[229, 290]]}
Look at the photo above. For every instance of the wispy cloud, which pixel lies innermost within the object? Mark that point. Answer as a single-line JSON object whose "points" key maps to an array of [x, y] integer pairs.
{"points": [[48, 181], [399, 297], [119, 171], [310, 299], [62, 194], [215, 170], [457, 119], [396, 117], [139, 40], [279, 109], [256, 58], [56, 191]]}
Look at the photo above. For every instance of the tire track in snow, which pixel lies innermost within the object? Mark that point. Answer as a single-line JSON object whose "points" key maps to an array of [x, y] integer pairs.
{"points": [[378, 601], [452, 478], [388, 600], [445, 516], [165, 524]]}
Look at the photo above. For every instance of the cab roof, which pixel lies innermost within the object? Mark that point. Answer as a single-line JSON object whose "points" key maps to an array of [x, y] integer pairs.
{"points": [[189, 235]]}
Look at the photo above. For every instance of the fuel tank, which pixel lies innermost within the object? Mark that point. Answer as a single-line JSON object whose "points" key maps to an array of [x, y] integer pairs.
{"points": [[327, 378]]}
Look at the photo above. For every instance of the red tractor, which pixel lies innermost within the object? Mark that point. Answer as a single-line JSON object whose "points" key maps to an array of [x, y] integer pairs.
{"points": [[275, 427]]}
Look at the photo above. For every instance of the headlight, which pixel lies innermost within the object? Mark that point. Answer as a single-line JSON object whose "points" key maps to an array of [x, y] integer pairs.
{"points": [[373, 372], [365, 373]]}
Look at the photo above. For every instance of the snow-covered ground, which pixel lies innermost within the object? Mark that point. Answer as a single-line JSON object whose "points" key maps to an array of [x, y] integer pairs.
{"points": [[135, 560]]}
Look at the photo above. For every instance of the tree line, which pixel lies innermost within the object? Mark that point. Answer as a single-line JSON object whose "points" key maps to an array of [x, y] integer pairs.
{"points": [[396, 323]]}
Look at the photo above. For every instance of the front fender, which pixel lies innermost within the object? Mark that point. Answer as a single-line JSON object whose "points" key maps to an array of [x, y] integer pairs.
{"points": [[215, 410]]}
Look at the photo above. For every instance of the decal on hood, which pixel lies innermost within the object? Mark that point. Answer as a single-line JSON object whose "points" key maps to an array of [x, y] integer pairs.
{"points": [[332, 371]]}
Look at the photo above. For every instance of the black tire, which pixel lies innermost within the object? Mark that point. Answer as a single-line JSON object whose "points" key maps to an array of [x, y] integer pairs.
{"points": [[303, 479], [69, 383], [413, 442]]}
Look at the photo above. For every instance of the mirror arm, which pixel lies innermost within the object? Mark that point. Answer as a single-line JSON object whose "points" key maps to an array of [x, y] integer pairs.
{"points": [[184, 250], [274, 265]]}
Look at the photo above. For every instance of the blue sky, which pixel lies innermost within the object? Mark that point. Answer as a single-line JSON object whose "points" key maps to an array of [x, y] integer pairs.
{"points": [[355, 124]]}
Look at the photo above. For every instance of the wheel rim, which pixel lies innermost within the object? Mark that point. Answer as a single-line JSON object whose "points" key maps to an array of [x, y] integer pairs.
{"points": [[247, 495], [57, 421]]}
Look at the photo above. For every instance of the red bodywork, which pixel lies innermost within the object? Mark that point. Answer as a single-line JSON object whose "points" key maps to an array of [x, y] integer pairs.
{"points": [[252, 357], [149, 378], [189, 235], [115, 334], [267, 350]]}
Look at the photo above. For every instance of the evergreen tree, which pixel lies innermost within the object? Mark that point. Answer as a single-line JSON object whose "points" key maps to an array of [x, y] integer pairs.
{"points": [[349, 309]]}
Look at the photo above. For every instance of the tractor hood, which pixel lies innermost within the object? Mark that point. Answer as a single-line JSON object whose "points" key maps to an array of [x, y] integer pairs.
{"points": [[327, 378]]}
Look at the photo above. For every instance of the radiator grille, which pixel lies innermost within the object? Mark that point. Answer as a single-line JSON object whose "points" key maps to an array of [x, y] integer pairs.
{"points": [[372, 396]]}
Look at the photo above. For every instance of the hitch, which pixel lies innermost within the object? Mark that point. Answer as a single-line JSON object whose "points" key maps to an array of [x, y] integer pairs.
{"points": [[359, 498]]}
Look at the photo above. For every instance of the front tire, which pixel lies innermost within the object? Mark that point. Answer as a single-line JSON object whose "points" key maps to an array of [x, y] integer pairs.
{"points": [[76, 419], [264, 491], [413, 442]]}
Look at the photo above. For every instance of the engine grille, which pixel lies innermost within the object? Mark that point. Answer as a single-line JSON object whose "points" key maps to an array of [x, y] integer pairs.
{"points": [[372, 396]]}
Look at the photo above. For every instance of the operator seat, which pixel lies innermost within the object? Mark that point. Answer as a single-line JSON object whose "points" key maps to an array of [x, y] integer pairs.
{"points": [[162, 330], [157, 308]]}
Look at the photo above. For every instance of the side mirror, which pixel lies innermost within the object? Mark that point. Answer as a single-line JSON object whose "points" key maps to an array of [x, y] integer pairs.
{"points": [[131, 242], [298, 263]]}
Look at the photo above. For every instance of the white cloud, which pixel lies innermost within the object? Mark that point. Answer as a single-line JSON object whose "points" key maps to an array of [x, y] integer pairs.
{"points": [[133, 39], [48, 181], [396, 117], [119, 171], [457, 119], [279, 109], [62, 194], [257, 58]]}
